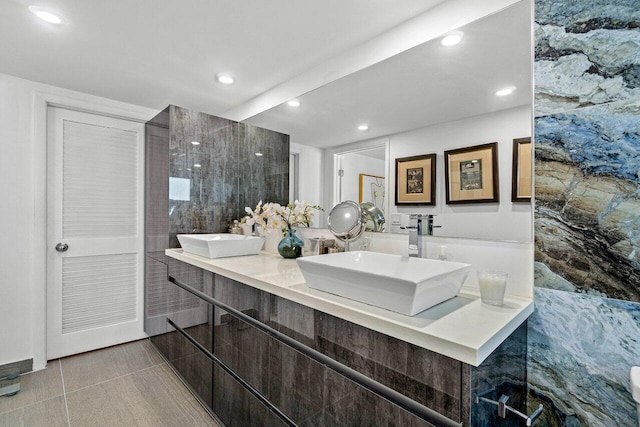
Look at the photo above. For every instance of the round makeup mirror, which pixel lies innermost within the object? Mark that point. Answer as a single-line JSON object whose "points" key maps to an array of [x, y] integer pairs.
{"points": [[374, 216], [347, 222]]}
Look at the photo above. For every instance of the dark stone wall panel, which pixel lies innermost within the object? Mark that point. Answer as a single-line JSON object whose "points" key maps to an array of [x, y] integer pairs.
{"points": [[264, 165], [209, 170], [157, 183]]}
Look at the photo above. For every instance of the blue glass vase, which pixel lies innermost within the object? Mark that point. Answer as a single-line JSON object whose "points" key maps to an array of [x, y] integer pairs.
{"points": [[291, 245]]}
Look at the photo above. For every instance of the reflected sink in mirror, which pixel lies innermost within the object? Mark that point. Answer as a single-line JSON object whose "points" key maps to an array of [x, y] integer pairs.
{"points": [[220, 245], [405, 285]]}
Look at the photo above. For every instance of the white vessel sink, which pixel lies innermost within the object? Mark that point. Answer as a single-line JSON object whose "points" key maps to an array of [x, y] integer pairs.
{"points": [[402, 284], [220, 245]]}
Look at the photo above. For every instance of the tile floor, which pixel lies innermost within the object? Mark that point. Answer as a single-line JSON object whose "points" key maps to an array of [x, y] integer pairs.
{"points": [[125, 385]]}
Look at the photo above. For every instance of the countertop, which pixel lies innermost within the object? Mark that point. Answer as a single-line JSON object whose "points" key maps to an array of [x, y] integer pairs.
{"points": [[462, 328]]}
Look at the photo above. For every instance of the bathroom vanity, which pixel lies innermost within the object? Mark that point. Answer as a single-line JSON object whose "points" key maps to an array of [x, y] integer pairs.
{"points": [[443, 358]]}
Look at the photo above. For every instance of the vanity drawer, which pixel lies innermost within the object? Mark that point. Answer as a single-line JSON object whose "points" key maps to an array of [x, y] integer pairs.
{"points": [[182, 325], [189, 312], [195, 367]]}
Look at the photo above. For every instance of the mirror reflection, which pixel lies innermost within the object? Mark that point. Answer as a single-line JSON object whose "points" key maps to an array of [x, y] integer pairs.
{"points": [[347, 222], [429, 99]]}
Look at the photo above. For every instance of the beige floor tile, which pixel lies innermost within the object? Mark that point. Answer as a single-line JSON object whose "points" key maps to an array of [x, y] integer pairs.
{"points": [[35, 387], [198, 416], [48, 413], [91, 368], [152, 397]]}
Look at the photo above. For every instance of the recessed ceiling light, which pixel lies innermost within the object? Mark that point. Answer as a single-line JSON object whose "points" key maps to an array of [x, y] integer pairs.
{"points": [[293, 103], [225, 79], [452, 39], [363, 127], [195, 143], [505, 91], [45, 15]]}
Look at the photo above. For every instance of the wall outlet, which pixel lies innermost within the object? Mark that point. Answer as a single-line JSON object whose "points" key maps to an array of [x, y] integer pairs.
{"points": [[396, 219]]}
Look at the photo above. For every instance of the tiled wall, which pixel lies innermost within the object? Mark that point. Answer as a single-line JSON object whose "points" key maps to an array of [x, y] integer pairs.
{"points": [[585, 334]]}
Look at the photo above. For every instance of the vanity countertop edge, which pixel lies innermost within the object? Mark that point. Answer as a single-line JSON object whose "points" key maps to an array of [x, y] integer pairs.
{"points": [[469, 333]]}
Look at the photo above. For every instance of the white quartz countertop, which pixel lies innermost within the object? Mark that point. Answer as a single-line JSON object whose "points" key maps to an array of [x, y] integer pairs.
{"points": [[462, 328]]}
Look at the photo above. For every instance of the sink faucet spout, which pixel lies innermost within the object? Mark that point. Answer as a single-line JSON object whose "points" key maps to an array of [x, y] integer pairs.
{"points": [[415, 233]]}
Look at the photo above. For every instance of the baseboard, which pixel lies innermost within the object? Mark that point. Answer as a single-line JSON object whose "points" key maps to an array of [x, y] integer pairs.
{"points": [[20, 367]]}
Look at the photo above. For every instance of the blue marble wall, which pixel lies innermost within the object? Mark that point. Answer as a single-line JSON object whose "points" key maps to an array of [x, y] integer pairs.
{"points": [[580, 348], [585, 334]]}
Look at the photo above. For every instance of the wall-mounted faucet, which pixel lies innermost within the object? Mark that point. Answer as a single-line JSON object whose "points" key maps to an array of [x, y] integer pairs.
{"points": [[415, 232]]}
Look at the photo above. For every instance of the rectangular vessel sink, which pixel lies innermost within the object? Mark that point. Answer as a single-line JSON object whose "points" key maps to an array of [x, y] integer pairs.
{"points": [[402, 284], [220, 245]]}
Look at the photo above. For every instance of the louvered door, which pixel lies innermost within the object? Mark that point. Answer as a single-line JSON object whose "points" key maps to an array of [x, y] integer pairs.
{"points": [[94, 232]]}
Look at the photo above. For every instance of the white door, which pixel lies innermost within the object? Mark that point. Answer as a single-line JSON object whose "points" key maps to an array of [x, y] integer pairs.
{"points": [[94, 231]]}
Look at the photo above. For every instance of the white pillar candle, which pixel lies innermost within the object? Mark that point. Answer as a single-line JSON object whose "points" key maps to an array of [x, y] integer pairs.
{"points": [[492, 286]]}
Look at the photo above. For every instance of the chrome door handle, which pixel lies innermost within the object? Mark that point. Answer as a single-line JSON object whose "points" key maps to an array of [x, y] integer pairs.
{"points": [[62, 247]]}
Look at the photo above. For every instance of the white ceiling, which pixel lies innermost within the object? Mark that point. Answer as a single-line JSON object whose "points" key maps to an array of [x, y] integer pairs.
{"points": [[422, 86], [156, 52]]}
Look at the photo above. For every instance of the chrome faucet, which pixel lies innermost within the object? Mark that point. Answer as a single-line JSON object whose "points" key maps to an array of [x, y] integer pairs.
{"points": [[415, 232]]}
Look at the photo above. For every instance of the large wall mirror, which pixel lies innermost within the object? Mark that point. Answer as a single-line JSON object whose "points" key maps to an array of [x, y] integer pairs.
{"points": [[430, 99]]}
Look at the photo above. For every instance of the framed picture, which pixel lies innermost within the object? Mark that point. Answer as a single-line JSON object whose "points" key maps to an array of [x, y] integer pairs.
{"points": [[471, 174], [372, 190], [522, 173], [416, 180]]}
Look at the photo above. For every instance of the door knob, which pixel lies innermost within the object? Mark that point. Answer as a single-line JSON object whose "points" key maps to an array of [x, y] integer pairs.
{"points": [[62, 247]]}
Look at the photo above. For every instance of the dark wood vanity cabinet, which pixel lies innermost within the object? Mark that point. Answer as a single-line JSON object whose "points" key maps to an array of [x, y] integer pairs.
{"points": [[193, 316], [189, 331], [304, 390]]}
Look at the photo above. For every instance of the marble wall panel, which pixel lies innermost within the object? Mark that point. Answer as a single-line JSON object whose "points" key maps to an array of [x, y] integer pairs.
{"points": [[504, 372], [587, 53], [587, 103], [580, 351], [588, 200]]}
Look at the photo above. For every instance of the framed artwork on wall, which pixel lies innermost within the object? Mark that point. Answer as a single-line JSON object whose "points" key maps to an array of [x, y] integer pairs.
{"points": [[522, 171], [416, 180], [372, 190], [471, 174]]}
